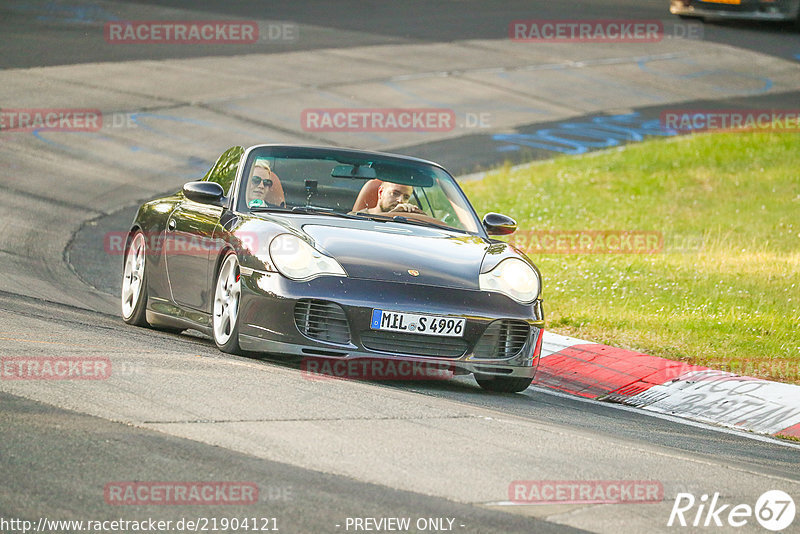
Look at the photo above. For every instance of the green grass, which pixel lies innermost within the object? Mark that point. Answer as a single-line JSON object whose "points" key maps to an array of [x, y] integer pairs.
{"points": [[725, 290]]}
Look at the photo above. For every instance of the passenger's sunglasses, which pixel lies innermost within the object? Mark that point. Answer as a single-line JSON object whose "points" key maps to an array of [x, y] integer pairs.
{"points": [[266, 181]]}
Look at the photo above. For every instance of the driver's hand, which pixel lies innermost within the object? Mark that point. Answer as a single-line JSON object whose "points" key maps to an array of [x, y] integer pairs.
{"points": [[407, 208]]}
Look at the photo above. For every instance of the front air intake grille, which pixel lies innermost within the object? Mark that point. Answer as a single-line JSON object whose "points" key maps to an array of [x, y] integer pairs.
{"points": [[414, 344], [322, 320], [502, 339]]}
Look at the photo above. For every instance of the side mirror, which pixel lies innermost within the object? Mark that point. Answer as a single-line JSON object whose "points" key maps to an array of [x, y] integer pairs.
{"points": [[499, 224], [204, 192]]}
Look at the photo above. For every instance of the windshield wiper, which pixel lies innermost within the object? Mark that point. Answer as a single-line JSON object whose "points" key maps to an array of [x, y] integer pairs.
{"points": [[373, 216], [418, 222], [326, 211], [305, 209], [256, 209], [408, 220]]}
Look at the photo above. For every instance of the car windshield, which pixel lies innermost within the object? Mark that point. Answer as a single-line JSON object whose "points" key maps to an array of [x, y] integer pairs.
{"points": [[315, 180]]}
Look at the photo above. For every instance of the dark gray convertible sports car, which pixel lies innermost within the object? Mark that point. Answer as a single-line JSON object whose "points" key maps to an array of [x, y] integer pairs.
{"points": [[337, 255]]}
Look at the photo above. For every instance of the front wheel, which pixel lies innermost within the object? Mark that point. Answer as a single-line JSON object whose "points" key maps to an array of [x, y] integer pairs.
{"points": [[503, 384], [227, 292], [134, 283]]}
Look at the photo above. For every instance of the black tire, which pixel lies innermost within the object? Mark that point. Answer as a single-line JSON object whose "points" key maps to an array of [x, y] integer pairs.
{"points": [[503, 384], [224, 329], [134, 281]]}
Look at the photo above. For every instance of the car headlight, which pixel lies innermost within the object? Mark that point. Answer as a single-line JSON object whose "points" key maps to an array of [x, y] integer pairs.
{"points": [[296, 259], [512, 277]]}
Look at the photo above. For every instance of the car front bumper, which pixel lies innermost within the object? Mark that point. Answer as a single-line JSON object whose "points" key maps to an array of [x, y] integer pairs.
{"points": [[746, 10], [269, 322]]}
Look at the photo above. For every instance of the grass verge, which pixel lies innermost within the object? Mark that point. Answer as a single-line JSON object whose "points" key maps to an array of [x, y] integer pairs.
{"points": [[723, 291]]}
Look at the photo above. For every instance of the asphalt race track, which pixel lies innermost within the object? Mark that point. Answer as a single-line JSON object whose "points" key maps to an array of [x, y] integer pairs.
{"points": [[324, 453]]}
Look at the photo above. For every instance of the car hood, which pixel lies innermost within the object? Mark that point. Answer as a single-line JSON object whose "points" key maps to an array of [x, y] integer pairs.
{"points": [[403, 253]]}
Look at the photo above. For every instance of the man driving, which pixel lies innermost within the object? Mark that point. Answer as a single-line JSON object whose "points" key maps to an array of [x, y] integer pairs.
{"points": [[394, 198]]}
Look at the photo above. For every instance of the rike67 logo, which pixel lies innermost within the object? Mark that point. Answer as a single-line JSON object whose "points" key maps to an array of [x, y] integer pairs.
{"points": [[774, 510]]}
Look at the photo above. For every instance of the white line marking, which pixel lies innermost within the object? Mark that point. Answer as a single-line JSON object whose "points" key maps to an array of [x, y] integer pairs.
{"points": [[672, 418]]}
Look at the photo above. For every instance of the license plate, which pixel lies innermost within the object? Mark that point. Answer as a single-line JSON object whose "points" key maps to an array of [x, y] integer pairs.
{"points": [[411, 323]]}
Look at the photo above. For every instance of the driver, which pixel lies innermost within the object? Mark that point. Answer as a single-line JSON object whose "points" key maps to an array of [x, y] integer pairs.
{"points": [[393, 198], [259, 186]]}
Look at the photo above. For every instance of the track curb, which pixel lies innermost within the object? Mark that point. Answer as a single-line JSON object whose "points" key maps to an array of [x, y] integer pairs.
{"points": [[611, 374]]}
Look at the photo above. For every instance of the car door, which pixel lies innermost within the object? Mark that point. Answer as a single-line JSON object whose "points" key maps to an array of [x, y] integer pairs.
{"points": [[189, 240]]}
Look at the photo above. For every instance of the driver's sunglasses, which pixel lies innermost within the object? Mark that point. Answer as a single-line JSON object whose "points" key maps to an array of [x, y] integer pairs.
{"points": [[266, 181]]}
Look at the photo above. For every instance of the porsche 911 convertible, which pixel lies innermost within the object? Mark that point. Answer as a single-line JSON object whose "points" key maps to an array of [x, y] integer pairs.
{"points": [[338, 255]]}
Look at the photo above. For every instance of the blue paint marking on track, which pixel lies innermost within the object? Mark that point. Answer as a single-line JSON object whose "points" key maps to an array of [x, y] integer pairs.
{"points": [[195, 122], [186, 167], [575, 138], [75, 14], [92, 139], [395, 86], [485, 107], [768, 83], [142, 121]]}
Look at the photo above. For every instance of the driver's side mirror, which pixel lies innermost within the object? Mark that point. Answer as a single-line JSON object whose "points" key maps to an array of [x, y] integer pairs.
{"points": [[499, 224], [204, 192]]}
